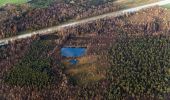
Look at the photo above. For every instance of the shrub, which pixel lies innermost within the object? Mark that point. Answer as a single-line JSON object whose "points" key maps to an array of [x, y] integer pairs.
{"points": [[139, 67]]}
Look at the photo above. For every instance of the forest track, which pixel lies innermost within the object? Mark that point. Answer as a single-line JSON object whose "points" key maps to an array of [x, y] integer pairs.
{"points": [[79, 22]]}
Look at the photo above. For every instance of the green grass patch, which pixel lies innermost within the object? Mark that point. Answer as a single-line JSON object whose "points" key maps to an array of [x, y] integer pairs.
{"points": [[41, 3], [3, 2], [33, 3], [166, 6]]}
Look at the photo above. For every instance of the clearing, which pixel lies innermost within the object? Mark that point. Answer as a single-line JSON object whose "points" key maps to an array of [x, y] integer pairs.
{"points": [[3, 2], [167, 6]]}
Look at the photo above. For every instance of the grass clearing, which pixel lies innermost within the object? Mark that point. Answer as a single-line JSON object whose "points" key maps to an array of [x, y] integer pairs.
{"points": [[134, 3], [3, 2], [41, 3], [87, 70], [33, 3], [166, 6]]}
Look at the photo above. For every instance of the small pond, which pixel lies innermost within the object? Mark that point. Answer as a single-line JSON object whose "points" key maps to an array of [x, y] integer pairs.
{"points": [[73, 52], [3, 45]]}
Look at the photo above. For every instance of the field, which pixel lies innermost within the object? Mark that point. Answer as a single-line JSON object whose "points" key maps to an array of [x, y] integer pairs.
{"points": [[167, 6], [33, 3], [134, 3], [2, 2]]}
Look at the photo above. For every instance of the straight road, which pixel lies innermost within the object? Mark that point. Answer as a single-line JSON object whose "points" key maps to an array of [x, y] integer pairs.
{"points": [[79, 22]]}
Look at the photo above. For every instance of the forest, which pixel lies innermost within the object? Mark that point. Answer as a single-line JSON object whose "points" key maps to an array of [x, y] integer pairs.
{"points": [[144, 62], [132, 57]]}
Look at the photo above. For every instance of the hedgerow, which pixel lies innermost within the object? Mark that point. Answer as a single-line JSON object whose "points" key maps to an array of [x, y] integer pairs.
{"points": [[139, 67]]}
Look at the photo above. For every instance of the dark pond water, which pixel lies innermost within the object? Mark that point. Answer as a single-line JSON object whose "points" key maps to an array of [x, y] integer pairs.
{"points": [[73, 61], [73, 52], [2, 45], [49, 37]]}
